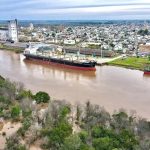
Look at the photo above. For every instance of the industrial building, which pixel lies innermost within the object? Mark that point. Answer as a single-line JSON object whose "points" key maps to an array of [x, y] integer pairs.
{"points": [[13, 30]]}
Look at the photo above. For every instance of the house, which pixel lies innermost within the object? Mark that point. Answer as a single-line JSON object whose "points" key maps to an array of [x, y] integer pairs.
{"points": [[144, 49], [3, 34]]}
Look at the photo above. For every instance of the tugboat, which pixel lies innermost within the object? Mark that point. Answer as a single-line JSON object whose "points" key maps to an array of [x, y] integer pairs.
{"points": [[52, 58], [147, 70]]}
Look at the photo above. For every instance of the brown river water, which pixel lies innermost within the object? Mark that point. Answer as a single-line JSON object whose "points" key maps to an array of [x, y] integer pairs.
{"points": [[111, 87]]}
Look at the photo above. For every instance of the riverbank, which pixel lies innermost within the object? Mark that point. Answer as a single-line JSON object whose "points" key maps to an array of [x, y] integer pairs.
{"points": [[131, 62], [11, 48], [60, 125], [103, 61]]}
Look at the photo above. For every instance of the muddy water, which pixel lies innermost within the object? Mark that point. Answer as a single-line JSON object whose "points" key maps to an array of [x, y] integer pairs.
{"points": [[111, 87]]}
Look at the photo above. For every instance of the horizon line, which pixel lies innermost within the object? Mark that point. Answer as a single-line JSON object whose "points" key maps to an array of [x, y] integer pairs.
{"points": [[139, 19]]}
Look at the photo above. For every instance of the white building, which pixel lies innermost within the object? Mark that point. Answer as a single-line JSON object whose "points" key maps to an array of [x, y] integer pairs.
{"points": [[31, 27], [3, 34], [69, 42], [118, 47], [13, 30]]}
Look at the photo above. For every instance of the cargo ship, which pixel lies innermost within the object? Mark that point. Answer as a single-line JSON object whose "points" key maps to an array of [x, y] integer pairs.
{"points": [[147, 70], [52, 58]]}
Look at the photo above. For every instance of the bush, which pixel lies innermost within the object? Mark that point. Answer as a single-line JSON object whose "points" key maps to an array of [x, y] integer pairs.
{"points": [[13, 143], [24, 94], [25, 126], [42, 97], [15, 112]]}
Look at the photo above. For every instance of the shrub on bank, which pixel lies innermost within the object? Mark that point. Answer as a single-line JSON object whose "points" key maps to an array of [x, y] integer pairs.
{"points": [[41, 97], [15, 112], [24, 94]]}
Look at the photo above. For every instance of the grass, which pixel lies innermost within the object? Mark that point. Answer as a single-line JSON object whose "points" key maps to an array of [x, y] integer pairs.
{"points": [[11, 48], [131, 62]]}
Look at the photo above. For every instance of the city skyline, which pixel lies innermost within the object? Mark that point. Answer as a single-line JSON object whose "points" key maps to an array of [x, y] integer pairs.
{"points": [[75, 10]]}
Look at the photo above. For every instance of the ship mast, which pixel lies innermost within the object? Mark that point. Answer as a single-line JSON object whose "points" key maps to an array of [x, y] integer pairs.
{"points": [[64, 52], [78, 53]]}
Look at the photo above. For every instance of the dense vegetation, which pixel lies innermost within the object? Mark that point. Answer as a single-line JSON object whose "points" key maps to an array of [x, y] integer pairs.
{"points": [[132, 62], [143, 32], [57, 125]]}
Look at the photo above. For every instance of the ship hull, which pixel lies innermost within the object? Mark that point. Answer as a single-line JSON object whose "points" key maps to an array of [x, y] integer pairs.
{"points": [[62, 63], [147, 72]]}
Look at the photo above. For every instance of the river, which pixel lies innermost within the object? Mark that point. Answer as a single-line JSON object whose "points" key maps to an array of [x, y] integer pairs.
{"points": [[111, 87]]}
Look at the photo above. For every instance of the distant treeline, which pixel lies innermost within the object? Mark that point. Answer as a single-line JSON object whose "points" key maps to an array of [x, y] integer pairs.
{"points": [[74, 22]]}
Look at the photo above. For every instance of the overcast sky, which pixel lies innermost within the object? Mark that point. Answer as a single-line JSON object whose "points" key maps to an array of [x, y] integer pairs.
{"points": [[74, 9]]}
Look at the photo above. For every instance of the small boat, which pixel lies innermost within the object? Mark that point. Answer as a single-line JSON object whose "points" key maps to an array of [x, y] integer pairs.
{"points": [[147, 70]]}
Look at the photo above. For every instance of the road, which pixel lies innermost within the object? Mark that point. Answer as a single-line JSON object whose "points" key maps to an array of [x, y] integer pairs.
{"points": [[101, 61]]}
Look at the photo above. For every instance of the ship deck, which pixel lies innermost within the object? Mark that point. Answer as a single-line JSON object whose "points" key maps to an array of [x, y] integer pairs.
{"points": [[67, 58]]}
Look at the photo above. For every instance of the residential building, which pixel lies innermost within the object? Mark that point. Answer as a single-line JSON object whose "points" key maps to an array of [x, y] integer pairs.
{"points": [[3, 34]]}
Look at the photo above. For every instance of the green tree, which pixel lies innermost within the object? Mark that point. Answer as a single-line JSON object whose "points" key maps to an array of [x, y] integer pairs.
{"points": [[83, 136], [58, 134], [72, 142], [63, 112], [59, 130], [121, 138], [143, 32], [104, 143], [42, 97], [121, 120], [127, 139]]}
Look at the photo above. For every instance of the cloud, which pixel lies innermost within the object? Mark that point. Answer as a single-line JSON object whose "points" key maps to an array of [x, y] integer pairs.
{"points": [[74, 9]]}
